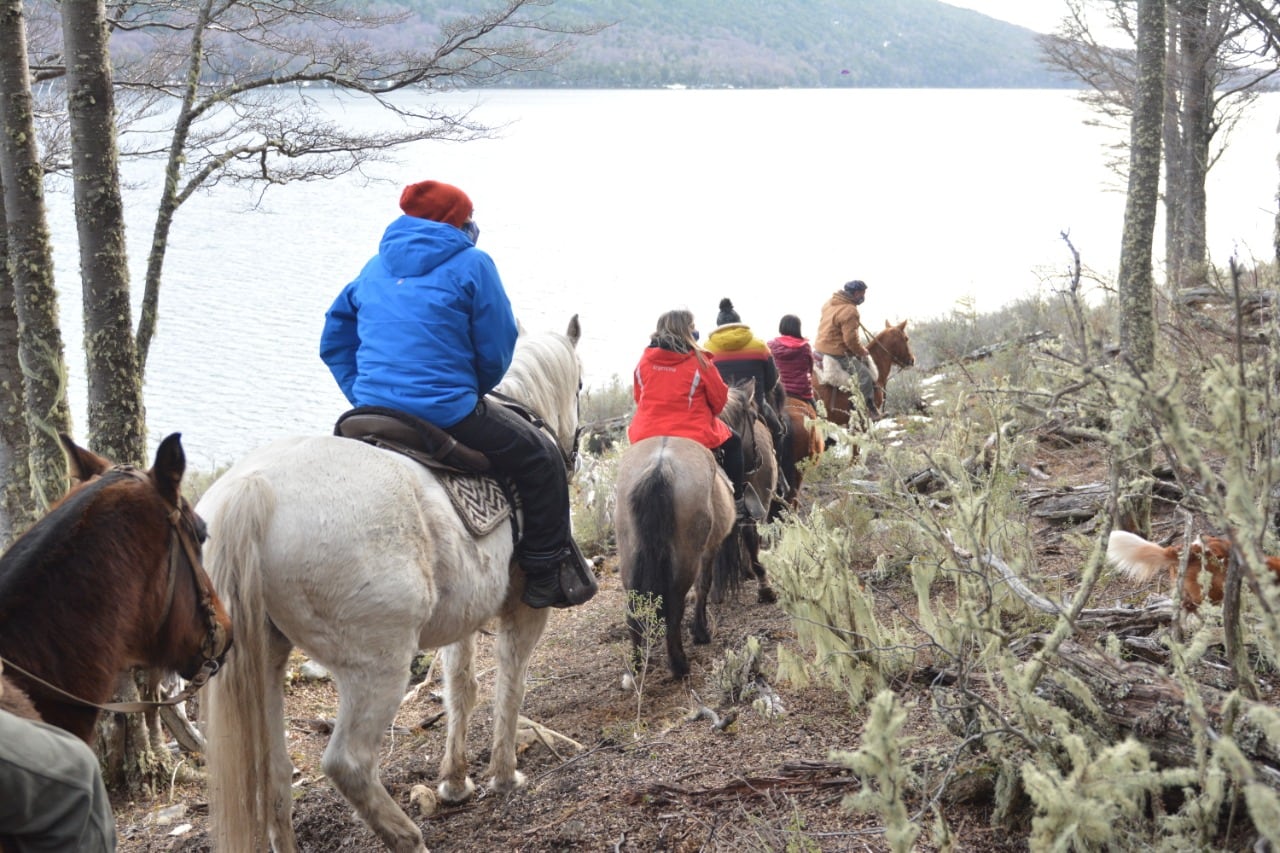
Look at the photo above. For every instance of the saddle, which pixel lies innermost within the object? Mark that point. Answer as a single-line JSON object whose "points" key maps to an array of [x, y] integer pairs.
{"points": [[481, 499]]}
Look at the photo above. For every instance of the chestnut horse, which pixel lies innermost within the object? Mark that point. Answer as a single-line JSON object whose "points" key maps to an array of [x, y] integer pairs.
{"points": [[108, 579], [890, 348], [1141, 561], [806, 443]]}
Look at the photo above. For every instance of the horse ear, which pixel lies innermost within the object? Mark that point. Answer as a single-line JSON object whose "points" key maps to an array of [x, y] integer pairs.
{"points": [[170, 465], [575, 331], [887, 324], [82, 464], [902, 325]]}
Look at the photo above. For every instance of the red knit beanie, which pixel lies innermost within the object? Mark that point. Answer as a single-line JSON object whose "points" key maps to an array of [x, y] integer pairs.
{"points": [[436, 201]]}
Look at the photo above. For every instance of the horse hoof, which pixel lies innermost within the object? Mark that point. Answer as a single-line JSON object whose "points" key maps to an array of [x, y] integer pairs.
{"points": [[506, 786], [766, 595], [453, 793]]}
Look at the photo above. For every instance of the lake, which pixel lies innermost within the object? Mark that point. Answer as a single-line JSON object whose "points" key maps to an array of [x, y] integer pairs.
{"points": [[620, 205]]}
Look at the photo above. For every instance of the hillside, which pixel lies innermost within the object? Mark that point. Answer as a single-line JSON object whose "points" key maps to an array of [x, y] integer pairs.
{"points": [[791, 43]]}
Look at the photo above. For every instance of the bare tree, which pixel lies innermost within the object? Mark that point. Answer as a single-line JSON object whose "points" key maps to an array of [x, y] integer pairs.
{"points": [[36, 354], [245, 83], [1213, 70], [1266, 17]]}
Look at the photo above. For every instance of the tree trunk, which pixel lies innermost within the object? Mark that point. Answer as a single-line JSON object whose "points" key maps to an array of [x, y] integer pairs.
{"points": [[1136, 285], [171, 196], [16, 511], [1196, 57], [40, 357], [1175, 173], [116, 426]]}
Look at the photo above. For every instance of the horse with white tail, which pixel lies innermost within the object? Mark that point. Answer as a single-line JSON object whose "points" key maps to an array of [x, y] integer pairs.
{"points": [[355, 555]]}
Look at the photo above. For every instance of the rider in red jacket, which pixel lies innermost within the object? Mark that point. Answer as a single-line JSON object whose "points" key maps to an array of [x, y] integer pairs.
{"points": [[679, 393]]}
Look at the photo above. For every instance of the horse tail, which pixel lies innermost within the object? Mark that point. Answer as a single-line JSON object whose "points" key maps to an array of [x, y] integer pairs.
{"points": [[238, 729], [652, 506], [1137, 558], [733, 561]]}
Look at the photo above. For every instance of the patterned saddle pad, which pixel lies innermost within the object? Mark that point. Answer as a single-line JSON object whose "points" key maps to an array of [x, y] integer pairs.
{"points": [[479, 501]]}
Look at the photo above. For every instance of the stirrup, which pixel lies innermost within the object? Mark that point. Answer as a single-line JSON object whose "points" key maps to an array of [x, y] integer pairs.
{"points": [[577, 576], [749, 506], [563, 581]]}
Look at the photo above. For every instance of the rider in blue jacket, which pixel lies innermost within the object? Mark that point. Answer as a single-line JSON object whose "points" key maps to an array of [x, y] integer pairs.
{"points": [[426, 328]]}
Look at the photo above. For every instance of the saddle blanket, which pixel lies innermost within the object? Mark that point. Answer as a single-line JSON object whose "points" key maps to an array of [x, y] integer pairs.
{"points": [[479, 500]]}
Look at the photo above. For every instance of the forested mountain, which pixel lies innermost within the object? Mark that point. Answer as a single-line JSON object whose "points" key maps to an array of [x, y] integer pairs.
{"points": [[777, 43]]}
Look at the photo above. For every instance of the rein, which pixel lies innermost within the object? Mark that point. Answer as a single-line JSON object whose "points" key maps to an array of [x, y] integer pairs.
{"points": [[182, 545], [207, 669]]}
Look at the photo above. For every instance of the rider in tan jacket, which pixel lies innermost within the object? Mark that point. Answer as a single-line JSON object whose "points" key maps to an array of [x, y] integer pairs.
{"points": [[840, 337]]}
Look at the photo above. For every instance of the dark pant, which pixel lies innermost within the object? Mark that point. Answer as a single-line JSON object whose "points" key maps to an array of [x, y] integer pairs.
{"points": [[731, 460], [526, 455]]}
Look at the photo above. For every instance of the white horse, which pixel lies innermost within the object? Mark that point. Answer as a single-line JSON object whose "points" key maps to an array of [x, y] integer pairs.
{"points": [[355, 555]]}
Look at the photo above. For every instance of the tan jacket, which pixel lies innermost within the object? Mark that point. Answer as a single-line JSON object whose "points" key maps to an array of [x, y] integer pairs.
{"points": [[840, 328]]}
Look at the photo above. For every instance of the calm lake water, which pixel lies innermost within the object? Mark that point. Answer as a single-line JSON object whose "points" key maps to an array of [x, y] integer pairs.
{"points": [[620, 205]]}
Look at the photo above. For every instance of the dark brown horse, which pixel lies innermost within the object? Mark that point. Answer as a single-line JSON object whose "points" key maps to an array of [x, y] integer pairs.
{"points": [[741, 414], [890, 348], [108, 579]]}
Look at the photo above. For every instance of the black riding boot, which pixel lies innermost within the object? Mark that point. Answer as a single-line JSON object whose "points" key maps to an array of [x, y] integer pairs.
{"points": [[562, 580]]}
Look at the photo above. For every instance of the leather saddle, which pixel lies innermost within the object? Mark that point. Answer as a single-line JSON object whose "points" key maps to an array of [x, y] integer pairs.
{"points": [[418, 439], [481, 498]]}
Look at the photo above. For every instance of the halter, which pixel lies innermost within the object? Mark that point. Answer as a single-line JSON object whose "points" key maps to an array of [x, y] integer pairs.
{"points": [[183, 549]]}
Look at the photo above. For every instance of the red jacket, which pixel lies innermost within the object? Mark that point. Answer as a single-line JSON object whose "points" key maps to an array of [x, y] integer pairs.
{"points": [[676, 396]]}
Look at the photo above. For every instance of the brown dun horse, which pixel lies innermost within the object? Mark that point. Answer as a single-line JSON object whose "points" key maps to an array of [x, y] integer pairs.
{"points": [[889, 348], [108, 579], [674, 520]]}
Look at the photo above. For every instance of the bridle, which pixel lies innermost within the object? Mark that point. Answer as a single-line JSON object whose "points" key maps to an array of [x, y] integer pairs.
{"points": [[875, 342], [184, 551]]}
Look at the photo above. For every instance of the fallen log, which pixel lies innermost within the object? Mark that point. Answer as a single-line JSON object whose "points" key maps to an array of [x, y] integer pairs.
{"points": [[1130, 620], [1137, 699]]}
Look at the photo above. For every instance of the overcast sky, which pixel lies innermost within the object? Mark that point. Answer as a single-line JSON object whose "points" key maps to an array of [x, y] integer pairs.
{"points": [[1039, 15]]}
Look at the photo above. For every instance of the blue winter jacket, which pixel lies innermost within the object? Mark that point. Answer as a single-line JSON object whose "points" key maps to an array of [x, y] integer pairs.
{"points": [[425, 328]]}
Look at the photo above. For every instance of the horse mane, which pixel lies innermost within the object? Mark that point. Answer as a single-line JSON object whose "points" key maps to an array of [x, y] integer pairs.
{"points": [[544, 375], [737, 411], [49, 537]]}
